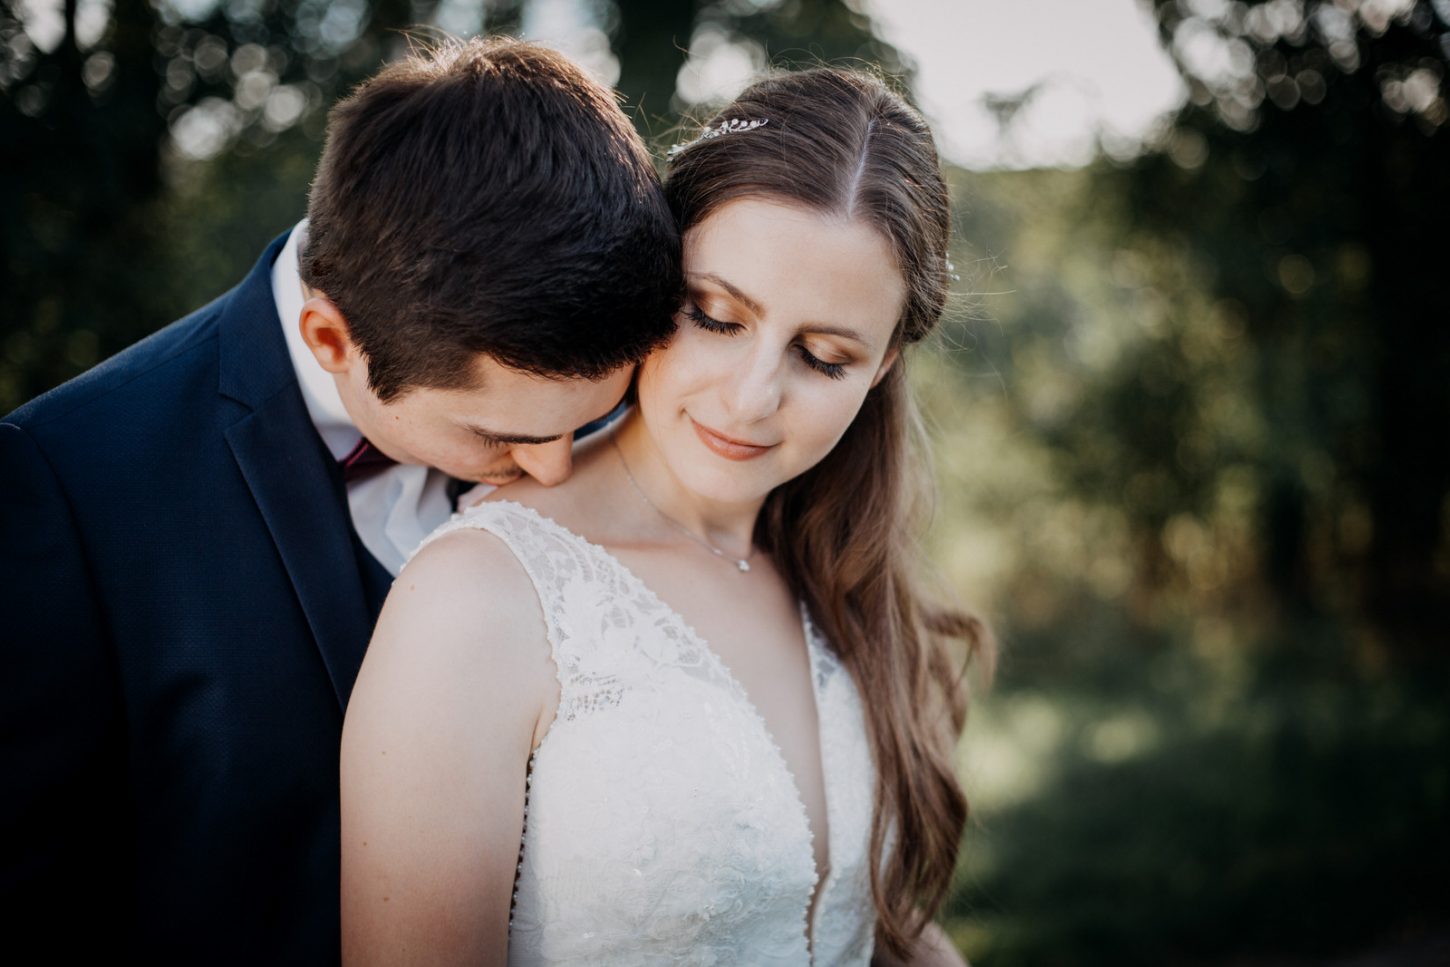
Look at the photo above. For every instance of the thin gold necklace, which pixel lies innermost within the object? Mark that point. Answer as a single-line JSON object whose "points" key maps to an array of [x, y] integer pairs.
{"points": [[742, 564]]}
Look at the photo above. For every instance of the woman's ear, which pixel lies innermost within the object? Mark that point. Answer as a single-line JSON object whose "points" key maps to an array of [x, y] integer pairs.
{"points": [[326, 333], [891, 356]]}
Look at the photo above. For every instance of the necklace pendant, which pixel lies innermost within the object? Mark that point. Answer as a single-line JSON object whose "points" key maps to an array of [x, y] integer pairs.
{"points": [[743, 565]]}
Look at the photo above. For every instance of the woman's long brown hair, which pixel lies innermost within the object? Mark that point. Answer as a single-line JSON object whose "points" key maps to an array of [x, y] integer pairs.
{"points": [[843, 143]]}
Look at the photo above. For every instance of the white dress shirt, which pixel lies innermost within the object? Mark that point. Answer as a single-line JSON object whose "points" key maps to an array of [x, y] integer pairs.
{"points": [[392, 509]]}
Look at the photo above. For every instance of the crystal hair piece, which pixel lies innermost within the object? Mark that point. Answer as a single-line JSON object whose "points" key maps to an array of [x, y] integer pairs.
{"points": [[732, 126]]}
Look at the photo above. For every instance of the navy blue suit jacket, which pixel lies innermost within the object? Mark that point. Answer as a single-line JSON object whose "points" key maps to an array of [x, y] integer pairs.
{"points": [[183, 608]]}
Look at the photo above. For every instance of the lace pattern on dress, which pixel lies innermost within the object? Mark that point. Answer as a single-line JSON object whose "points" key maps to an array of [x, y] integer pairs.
{"points": [[662, 823]]}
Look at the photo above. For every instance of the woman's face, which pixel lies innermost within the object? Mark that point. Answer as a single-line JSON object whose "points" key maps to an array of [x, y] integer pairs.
{"points": [[786, 326]]}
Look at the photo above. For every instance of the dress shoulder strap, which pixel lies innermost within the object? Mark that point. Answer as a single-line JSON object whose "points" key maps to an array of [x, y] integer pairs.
{"points": [[589, 605]]}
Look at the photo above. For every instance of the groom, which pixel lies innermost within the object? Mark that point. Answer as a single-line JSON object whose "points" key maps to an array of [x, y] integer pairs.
{"points": [[197, 535]]}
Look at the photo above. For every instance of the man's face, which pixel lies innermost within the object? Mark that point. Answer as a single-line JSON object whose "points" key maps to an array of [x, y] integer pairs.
{"points": [[509, 424]]}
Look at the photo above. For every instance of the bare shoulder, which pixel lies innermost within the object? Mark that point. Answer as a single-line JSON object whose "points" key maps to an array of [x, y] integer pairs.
{"points": [[462, 584], [462, 635]]}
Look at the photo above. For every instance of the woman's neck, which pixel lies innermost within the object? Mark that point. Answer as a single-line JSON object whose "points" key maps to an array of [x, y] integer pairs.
{"points": [[727, 527]]}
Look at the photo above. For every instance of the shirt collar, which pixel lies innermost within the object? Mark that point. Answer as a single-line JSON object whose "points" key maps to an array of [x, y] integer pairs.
{"points": [[319, 389]]}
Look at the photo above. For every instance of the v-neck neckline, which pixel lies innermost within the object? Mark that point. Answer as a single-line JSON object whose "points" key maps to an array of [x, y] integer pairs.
{"points": [[819, 886]]}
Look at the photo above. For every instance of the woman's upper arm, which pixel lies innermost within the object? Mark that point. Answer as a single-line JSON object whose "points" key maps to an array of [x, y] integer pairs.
{"points": [[435, 747]]}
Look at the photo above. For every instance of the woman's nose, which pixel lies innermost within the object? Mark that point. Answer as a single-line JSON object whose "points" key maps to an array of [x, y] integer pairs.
{"points": [[548, 463], [754, 388]]}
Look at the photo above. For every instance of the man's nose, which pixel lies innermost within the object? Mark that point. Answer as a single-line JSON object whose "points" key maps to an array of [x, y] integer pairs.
{"points": [[548, 463]]}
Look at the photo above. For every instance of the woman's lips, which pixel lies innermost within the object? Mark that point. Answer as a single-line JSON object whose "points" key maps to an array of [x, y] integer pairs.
{"points": [[725, 446]]}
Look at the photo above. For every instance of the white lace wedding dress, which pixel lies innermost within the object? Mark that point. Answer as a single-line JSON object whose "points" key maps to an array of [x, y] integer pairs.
{"points": [[662, 825]]}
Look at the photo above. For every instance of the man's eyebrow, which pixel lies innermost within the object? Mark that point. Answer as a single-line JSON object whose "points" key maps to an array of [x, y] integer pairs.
{"points": [[824, 330], [516, 439]]}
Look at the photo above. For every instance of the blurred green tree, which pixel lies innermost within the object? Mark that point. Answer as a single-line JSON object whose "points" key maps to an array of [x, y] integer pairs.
{"points": [[1305, 182], [100, 102], [656, 39]]}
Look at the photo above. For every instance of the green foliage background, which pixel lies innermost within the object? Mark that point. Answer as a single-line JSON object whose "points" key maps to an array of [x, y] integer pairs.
{"points": [[1190, 415]]}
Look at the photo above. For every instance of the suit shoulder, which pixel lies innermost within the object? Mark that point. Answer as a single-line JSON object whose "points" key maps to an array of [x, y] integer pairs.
{"points": [[188, 343]]}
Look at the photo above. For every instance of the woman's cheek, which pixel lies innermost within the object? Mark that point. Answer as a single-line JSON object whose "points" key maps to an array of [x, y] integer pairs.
{"points": [[691, 362], [832, 413]]}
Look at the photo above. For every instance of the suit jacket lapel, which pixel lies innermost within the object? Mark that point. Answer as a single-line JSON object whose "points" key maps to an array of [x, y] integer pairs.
{"points": [[293, 479]]}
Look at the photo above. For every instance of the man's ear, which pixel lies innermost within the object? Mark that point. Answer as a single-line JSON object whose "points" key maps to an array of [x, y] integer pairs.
{"points": [[891, 356], [326, 333]]}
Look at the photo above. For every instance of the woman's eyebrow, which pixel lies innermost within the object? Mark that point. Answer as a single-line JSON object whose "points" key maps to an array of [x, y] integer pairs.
{"points": [[841, 331], [755, 307], [750, 303]]}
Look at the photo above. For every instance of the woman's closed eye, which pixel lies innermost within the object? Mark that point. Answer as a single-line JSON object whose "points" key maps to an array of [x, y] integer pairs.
{"points": [[711, 324]]}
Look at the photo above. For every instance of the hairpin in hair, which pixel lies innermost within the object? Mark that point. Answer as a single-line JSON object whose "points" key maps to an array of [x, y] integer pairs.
{"points": [[952, 271], [732, 126]]}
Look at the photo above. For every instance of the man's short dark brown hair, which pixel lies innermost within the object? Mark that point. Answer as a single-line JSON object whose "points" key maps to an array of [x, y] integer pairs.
{"points": [[488, 197]]}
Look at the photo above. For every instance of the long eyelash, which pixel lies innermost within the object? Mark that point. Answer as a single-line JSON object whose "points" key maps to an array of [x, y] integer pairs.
{"points": [[830, 370], [709, 324]]}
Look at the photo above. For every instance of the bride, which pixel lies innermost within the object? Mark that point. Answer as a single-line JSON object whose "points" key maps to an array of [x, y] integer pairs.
{"points": [[690, 707]]}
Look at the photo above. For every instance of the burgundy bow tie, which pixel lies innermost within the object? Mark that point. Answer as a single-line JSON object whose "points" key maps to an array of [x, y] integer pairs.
{"points": [[363, 461]]}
